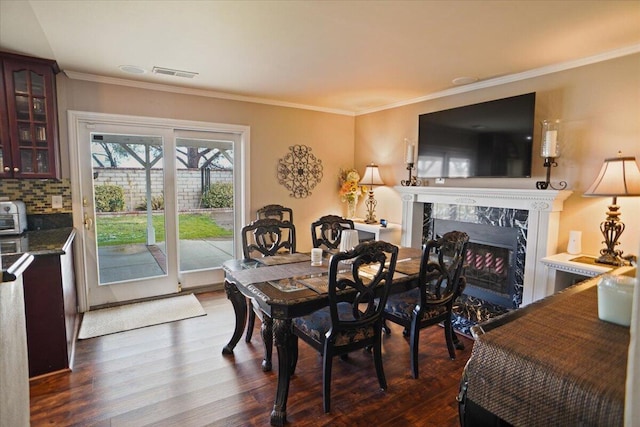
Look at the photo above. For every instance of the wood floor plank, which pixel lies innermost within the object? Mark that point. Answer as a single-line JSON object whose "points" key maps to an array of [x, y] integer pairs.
{"points": [[174, 374]]}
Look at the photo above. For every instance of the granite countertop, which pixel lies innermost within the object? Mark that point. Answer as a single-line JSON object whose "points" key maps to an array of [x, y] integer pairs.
{"points": [[39, 242]]}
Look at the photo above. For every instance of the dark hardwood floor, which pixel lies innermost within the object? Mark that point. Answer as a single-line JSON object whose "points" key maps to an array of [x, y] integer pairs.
{"points": [[175, 375]]}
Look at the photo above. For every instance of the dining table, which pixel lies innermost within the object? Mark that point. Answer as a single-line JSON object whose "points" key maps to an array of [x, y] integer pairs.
{"points": [[288, 286]]}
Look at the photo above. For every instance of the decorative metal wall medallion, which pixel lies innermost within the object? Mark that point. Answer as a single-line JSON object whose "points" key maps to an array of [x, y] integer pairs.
{"points": [[299, 171]]}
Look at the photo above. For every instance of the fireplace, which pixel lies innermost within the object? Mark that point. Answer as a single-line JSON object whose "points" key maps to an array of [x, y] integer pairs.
{"points": [[529, 214], [491, 263]]}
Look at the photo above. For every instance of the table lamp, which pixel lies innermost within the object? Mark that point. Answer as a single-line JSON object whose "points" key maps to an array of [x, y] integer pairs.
{"points": [[618, 177], [370, 178]]}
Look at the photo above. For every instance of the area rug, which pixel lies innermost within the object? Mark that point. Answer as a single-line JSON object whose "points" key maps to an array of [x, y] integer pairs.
{"points": [[139, 315]]}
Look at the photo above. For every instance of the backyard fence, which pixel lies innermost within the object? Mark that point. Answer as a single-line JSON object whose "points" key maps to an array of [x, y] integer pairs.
{"points": [[133, 182]]}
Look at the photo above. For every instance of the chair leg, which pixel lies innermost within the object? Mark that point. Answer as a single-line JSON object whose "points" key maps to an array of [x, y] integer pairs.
{"points": [[448, 336], [377, 360], [250, 323], [326, 380], [414, 344], [267, 337]]}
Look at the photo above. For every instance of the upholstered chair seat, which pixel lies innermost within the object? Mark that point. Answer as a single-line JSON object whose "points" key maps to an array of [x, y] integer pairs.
{"points": [[403, 305], [317, 324]]}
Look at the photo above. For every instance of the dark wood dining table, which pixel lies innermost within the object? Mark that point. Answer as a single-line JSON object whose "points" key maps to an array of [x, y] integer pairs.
{"points": [[286, 287]]}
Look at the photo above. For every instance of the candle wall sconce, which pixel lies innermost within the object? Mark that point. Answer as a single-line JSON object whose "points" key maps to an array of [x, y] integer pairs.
{"points": [[550, 150], [410, 156]]}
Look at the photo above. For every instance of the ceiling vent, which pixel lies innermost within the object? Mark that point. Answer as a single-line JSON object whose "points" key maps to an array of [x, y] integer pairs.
{"points": [[170, 72]]}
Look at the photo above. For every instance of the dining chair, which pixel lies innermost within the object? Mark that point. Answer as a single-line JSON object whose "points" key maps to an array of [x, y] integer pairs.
{"points": [[275, 211], [262, 238], [279, 212], [358, 286], [268, 237], [326, 232], [441, 281]]}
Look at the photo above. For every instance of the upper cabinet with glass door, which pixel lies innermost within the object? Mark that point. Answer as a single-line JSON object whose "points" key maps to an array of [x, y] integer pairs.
{"points": [[28, 118]]}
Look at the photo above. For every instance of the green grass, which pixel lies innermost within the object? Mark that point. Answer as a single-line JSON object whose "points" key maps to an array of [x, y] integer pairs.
{"points": [[125, 229]]}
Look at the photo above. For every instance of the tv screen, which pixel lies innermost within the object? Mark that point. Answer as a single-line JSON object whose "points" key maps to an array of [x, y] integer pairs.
{"points": [[490, 139]]}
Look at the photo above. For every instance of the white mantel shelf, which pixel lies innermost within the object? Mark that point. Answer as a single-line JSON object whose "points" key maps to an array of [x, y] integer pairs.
{"points": [[543, 206], [516, 198]]}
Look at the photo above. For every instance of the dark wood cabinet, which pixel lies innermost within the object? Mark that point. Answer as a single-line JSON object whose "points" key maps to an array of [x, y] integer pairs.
{"points": [[28, 117], [51, 312]]}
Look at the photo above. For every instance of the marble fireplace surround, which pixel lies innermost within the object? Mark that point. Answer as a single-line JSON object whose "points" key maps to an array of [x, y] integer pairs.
{"points": [[543, 206]]}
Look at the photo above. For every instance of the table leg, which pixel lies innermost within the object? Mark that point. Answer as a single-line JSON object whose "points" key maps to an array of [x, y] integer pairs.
{"points": [[240, 308], [284, 340], [267, 338]]}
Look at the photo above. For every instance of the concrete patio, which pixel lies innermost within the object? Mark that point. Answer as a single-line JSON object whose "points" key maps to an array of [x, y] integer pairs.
{"points": [[136, 261]]}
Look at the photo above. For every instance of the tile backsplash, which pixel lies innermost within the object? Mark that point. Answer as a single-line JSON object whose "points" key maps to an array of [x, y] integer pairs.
{"points": [[36, 194]]}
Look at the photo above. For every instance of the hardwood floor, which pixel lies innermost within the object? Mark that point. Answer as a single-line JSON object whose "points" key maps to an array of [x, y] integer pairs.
{"points": [[175, 375]]}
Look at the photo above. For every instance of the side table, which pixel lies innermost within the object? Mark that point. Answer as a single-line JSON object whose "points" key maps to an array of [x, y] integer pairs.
{"points": [[564, 270], [390, 233]]}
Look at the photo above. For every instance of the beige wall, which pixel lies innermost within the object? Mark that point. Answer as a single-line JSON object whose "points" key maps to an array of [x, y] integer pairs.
{"points": [[599, 106], [273, 130]]}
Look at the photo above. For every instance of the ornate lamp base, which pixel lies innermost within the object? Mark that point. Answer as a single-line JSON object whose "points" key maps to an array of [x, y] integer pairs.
{"points": [[611, 229], [371, 203]]}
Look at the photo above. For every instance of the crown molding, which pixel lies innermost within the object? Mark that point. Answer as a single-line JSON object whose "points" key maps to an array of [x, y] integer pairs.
{"points": [[74, 75], [617, 53], [537, 72]]}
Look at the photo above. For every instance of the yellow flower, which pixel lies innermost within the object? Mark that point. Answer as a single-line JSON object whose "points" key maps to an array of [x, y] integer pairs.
{"points": [[349, 189]]}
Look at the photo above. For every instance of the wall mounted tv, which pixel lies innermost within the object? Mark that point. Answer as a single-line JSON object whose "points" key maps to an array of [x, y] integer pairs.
{"points": [[490, 139]]}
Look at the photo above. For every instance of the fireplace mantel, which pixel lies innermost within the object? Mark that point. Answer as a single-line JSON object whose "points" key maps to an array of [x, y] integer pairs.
{"points": [[544, 208]]}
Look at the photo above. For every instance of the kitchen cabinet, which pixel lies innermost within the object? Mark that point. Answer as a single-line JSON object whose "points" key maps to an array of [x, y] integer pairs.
{"points": [[50, 301], [28, 117]]}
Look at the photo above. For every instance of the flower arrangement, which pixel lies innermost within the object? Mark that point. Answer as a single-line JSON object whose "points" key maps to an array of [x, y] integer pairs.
{"points": [[350, 191]]}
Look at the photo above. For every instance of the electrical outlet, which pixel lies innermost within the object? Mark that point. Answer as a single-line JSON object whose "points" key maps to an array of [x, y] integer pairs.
{"points": [[439, 180], [56, 202]]}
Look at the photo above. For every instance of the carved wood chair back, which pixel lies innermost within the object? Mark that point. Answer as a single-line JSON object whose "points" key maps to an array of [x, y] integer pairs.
{"points": [[327, 231], [268, 237], [278, 212]]}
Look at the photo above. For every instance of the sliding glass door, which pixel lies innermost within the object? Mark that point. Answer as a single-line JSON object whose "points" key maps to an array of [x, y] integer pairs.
{"points": [[159, 207]]}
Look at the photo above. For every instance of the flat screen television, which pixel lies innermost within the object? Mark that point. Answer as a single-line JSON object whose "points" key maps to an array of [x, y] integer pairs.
{"points": [[490, 139]]}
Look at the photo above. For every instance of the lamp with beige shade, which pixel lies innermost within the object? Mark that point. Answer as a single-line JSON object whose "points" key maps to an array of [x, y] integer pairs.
{"points": [[370, 178], [618, 177]]}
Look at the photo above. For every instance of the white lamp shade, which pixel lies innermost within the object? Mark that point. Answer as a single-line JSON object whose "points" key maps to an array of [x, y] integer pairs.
{"points": [[619, 176], [371, 176]]}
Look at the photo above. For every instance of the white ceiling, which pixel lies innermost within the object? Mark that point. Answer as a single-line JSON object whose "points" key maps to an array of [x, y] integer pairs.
{"points": [[343, 56]]}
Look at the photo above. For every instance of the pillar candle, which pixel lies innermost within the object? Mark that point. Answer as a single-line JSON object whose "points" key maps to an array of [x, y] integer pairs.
{"points": [[550, 144], [410, 153]]}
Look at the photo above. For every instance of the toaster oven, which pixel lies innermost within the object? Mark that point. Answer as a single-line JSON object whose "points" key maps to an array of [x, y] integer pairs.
{"points": [[13, 218], [14, 245]]}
